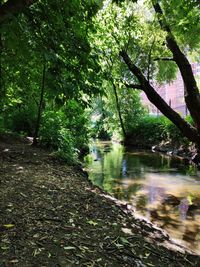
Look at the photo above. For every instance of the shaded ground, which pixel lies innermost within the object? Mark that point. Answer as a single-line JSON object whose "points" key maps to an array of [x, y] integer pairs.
{"points": [[51, 215]]}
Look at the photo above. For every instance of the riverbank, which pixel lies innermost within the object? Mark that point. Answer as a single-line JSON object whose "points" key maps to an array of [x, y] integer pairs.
{"points": [[188, 153], [51, 215]]}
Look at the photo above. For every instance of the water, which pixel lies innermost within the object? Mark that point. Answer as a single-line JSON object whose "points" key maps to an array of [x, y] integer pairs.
{"points": [[162, 189]]}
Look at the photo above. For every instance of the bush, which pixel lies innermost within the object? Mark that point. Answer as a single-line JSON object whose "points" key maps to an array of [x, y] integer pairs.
{"points": [[55, 135], [19, 120], [152, 130], [65, 131], [23, 122], [173, 134]]}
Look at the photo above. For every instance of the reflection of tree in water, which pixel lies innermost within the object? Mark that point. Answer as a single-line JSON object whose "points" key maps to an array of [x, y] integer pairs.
{"points": [[124, 168], [191, 236], [169, 217], [140, 203], [108, 165], [125, 175], [154, 193], [166, 217], [159, 162], [126, 193], [96, 153], [119, 193]]}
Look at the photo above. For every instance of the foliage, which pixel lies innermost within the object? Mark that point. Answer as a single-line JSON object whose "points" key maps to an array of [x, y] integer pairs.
{"points": [[78, 45], [137, 30], [55, 135], [22, 121], [152, 130], [130, 107], [120, 107], [65, 130], [104, 113], [53, 34], [98, 114], [183, 18]]}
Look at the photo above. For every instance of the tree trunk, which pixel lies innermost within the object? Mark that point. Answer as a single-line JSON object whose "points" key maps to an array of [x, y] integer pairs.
{"points": [[188, 130], [192, 96], [119, 110], [37, 127]]}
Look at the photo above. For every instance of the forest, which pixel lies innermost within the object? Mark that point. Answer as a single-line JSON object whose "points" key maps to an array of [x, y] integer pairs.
{"points": [[72, 72], [76, 70]]}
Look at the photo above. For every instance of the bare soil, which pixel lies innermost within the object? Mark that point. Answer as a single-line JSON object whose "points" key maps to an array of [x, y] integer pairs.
{"points": [[51, 215]]}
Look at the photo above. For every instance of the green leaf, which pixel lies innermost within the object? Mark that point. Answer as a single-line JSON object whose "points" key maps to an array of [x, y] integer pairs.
{"points": [[92, 222], [69, 248], [9, 225], [4, 248], [124, 240]]}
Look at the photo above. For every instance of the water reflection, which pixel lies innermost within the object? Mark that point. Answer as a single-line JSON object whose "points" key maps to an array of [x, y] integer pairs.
{"points": [[160, 188]]}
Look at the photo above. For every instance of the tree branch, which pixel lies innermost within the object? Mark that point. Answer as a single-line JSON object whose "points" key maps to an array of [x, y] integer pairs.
{"points": [[134, 86], [187, 129], [13, 7]]}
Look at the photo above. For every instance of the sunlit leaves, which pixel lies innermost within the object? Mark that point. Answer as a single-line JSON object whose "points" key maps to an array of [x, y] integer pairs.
{"points": [[92, 222], [183, 18], [10, 225], [54, 33], [166, 71]]}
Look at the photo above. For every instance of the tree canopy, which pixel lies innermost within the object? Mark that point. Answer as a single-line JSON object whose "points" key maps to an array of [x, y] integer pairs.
{"points": [[61, 59], [145, 41]]}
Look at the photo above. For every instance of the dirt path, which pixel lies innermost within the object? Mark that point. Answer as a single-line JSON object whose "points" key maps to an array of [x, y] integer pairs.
{"points": [[51, 215]]}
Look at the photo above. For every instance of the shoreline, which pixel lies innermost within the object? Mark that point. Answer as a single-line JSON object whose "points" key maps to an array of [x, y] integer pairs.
{"points": [[52, 215], [186, 153]]}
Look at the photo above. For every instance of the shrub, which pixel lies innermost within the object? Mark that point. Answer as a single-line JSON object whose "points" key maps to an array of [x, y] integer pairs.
{"points": [[65, 131], [152, 130], [19, 120], [55, 135]]}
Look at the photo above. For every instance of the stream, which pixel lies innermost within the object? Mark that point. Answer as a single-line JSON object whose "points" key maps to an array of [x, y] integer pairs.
{"points": [[162, 189]]}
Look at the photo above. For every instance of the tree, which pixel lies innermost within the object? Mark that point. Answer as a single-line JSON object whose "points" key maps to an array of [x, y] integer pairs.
{"points": [[118, 100], [47, 65], [145, 43], [192, 96]]}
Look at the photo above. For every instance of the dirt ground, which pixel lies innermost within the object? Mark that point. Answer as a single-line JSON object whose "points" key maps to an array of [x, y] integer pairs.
{"points": [[52, 216]]}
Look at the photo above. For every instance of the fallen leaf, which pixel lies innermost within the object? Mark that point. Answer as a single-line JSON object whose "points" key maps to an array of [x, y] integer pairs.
{"points": [[119, 245], [69, 248], [4, 248], [92, 222], [14, 261], [124, 240], [9, 225]]}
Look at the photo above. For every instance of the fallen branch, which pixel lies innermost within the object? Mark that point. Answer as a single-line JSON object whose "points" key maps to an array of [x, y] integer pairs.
{"points": [[48, 219]]}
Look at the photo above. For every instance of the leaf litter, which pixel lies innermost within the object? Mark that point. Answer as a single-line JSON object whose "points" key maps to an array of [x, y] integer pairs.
{"points": [[51, 215]]}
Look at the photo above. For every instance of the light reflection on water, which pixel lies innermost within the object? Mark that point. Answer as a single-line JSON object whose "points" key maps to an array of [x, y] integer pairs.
{"points": [[164, 190]]}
